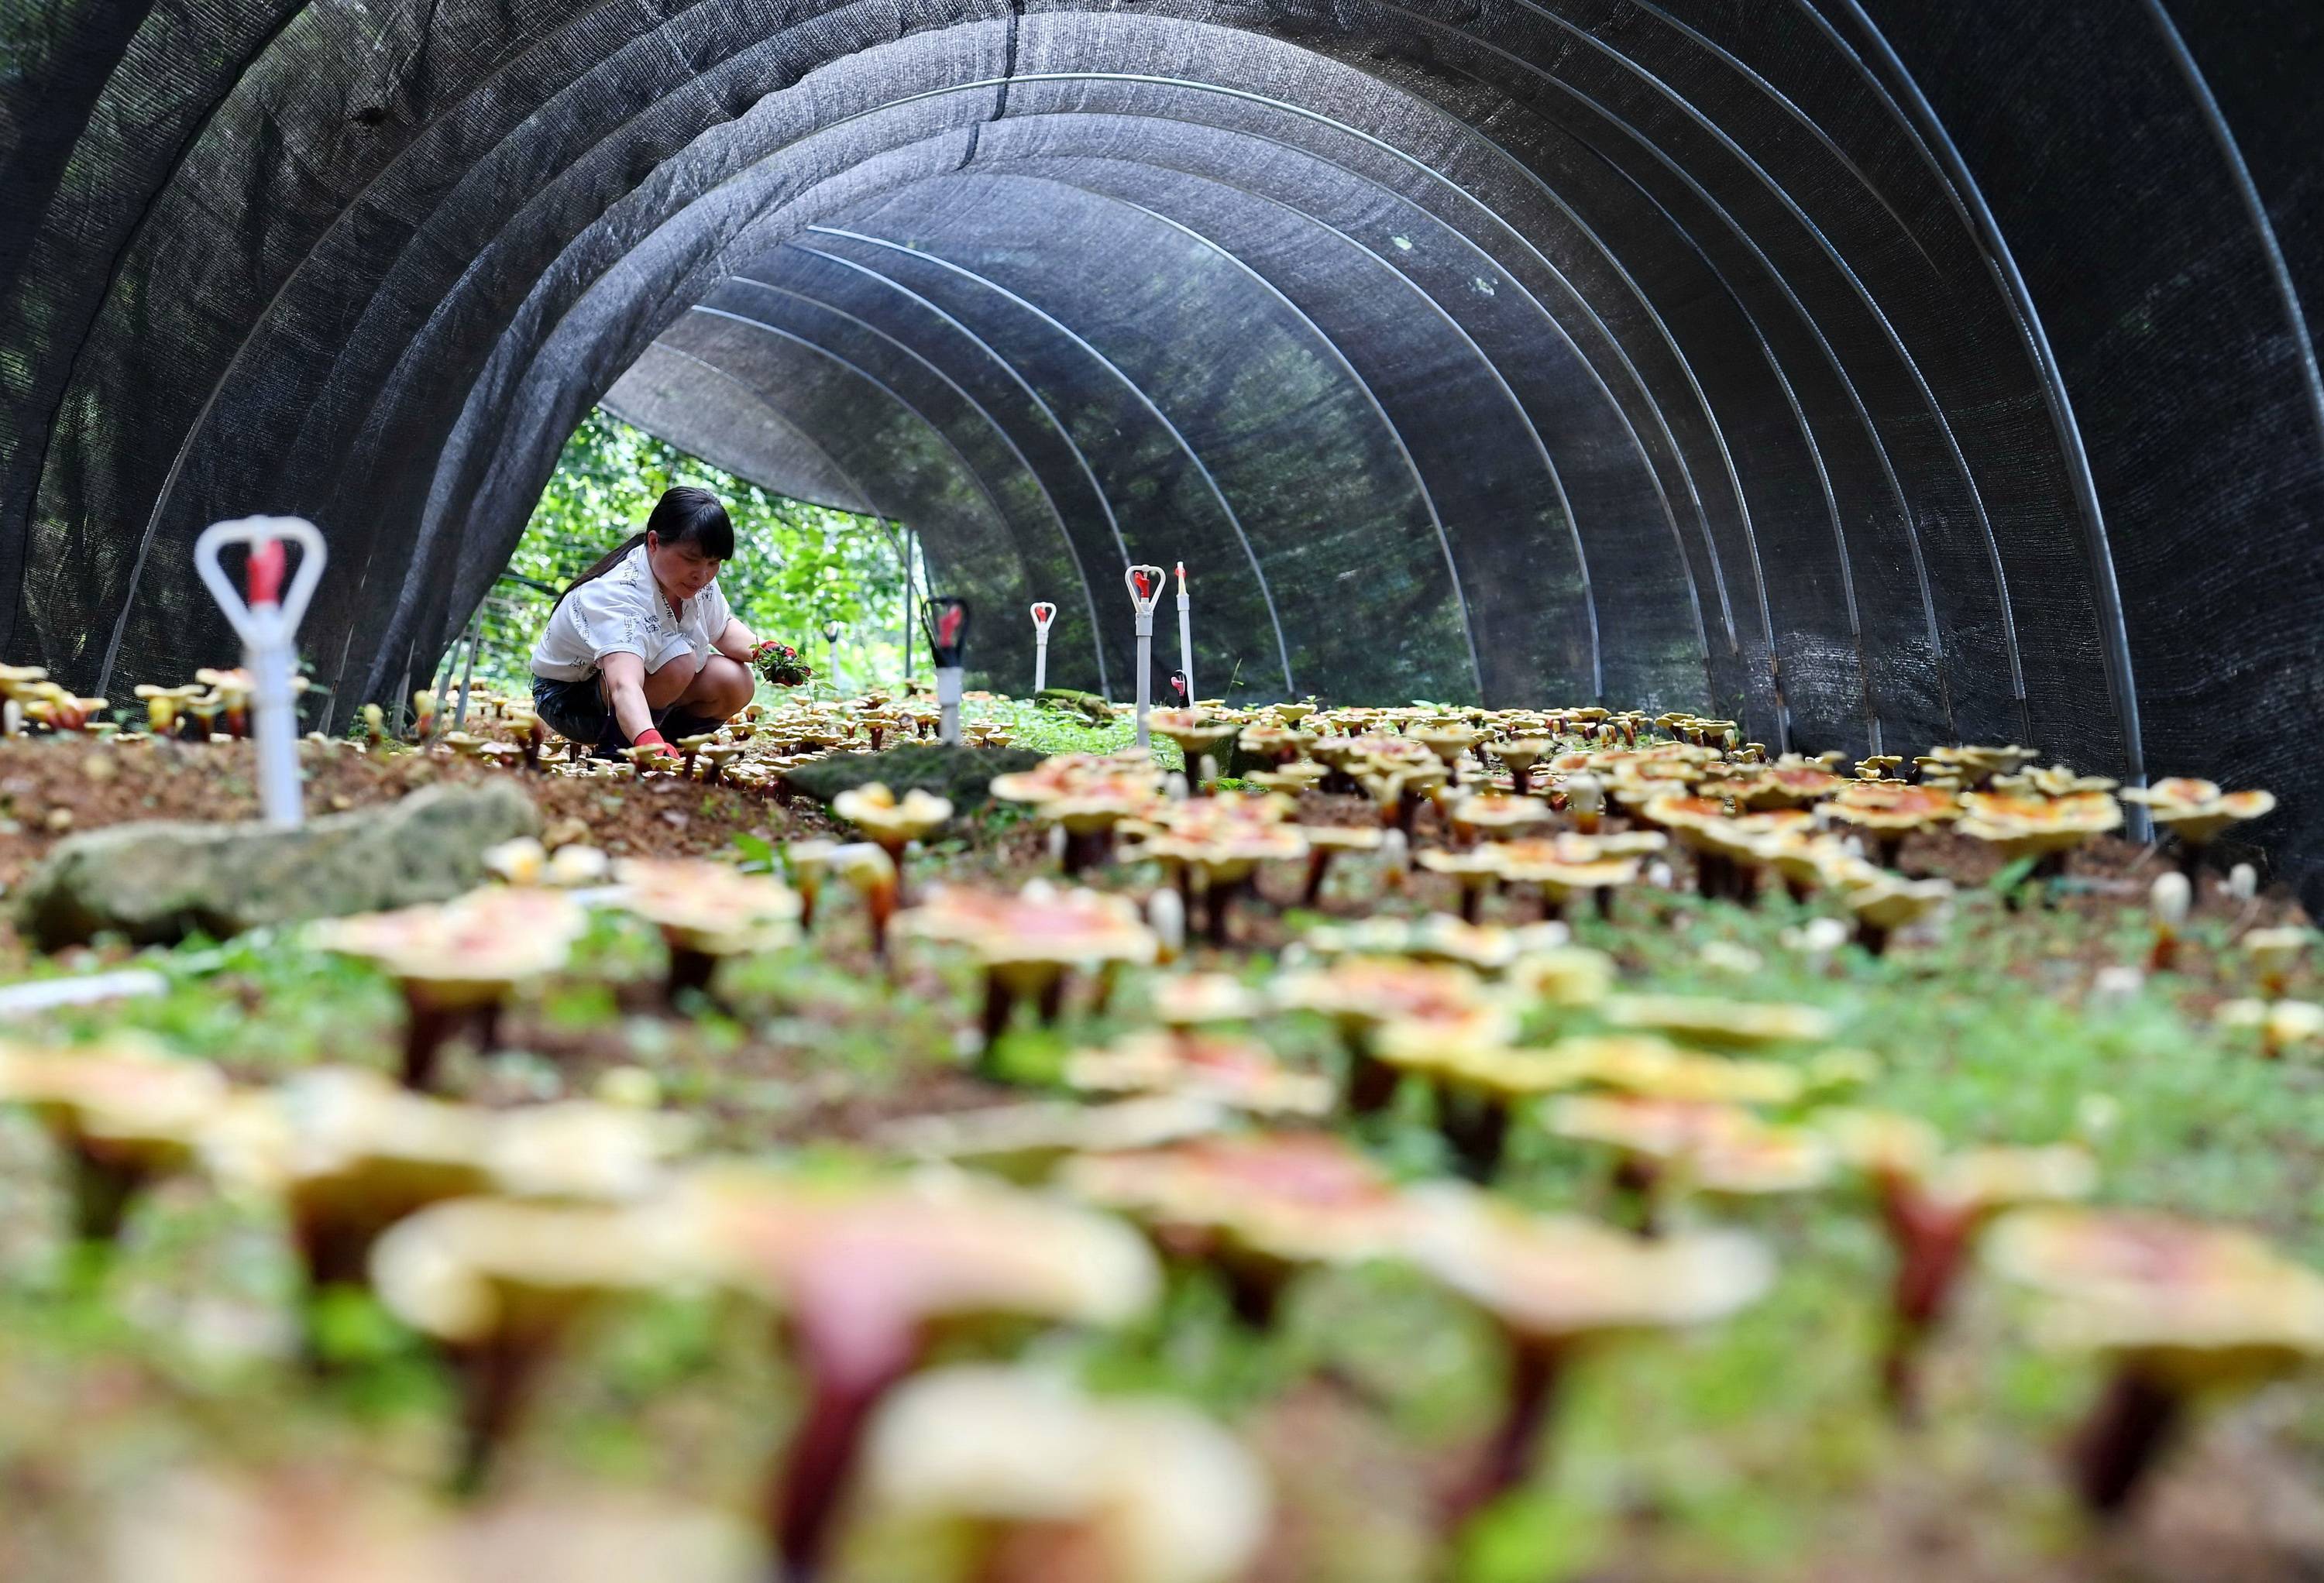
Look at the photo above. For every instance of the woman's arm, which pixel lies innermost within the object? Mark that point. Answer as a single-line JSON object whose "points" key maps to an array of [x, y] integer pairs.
{"points": [[736, 641], [625, 690]]}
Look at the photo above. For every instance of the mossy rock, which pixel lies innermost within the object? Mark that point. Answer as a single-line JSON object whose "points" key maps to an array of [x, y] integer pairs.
{"points": [[962, 776], [155, 883], [1088, 705]]}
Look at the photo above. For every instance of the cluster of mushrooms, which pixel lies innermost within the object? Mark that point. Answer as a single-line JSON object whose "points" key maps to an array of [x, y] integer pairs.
{"points": [[1206, 1120]]}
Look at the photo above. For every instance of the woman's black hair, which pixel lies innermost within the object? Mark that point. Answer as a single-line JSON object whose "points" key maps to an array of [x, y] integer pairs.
{"points": [[684, 515]]}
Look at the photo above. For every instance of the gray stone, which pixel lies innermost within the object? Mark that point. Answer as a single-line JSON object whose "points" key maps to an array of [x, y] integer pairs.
{"points": [[157, 883]]}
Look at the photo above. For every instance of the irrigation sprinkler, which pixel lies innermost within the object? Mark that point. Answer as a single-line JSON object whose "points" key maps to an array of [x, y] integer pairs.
{"points": [[945, 617], [1144, 586], [1185, 636], [831, 654], [1044, 612], [268, 621]]}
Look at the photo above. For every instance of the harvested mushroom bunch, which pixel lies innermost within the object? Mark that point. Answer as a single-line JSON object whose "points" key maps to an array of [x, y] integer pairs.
{"points": [[1043, 1484], [457, 962], [706, 911], [1031, 941]]}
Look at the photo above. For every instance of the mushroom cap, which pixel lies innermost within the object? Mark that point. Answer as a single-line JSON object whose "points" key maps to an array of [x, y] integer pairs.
{"points": [[1891, 805], [1718, 1147], [878, 811], [1498, 811], [2195, 1302], [1891, 903], [466, 951], [581, 1150], [2022, 825], [1434, 938], [1655, 1068], [1561, 864], [2284, 1022], [1241, 1073], [1038, 925], [1719, 1024], [1023, 1141], [1368, 990], [1564, 975], [1986, 1179], [2198, 810], [1479, 1063], [521, 860], [126, 1096], [1188, 999], [1176, 1499], [475, 1267], [707, 906], [1560, 1277], [931, 1246], [1293, 1197]]}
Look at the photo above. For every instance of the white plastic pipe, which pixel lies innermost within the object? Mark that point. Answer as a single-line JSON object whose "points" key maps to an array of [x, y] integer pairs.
{"points": [[267, 630], [1044, 612], [1145, 585], [948, 690], [1185, 637]]}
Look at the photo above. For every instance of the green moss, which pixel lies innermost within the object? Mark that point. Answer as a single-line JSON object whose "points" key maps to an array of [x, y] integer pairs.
{"points": [[961, 775]]}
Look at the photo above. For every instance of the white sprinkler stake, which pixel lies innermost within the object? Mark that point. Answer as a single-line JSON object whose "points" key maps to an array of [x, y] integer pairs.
{"points": [[268, 621], [946, 619], [831, 655], [1186, 638], [1144, 586], [1044, 612]]}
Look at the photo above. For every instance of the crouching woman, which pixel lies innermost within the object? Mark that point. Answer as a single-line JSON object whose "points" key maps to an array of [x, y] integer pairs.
{"points": [[641, 648]]}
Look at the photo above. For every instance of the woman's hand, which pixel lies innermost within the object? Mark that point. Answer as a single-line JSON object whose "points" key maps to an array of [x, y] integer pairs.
{"points": [[625, 692]]}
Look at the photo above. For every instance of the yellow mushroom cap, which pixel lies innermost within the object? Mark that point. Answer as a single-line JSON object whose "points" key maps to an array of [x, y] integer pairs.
{"points": [[126, 1094], [1173, 1498], [1719, 1147], [2195, 1303], [878, 811], [475, 1267], [1720, 1024], [1560, 1277]]}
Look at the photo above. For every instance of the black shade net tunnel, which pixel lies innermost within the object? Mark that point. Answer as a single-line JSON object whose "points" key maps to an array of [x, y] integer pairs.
{"points": [[1875, 372]]}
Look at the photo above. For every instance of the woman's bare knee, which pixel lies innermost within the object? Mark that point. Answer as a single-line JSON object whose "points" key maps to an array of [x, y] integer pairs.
{"points": [[722, 688], [667, 686]]}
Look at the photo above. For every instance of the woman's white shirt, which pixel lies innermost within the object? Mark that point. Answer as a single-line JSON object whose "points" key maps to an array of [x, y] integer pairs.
{"points": [[624, 612]]}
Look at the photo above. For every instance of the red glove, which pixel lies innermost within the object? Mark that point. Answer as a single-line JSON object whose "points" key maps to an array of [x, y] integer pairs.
{"points": [[650, 738]]}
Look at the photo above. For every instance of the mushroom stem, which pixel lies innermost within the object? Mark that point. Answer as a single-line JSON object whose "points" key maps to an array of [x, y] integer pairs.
{"points": [[1319, 865], [689, 968], [1872, 937], [1218, 910], [1000, 1002], [496, 1378], [1638, 1181], [1050, 1003], [1536, 1368], [1476, 1127], [851, 1357], [2128, 1428], [1372, 1082], [426, 1027], [1473, 898], [1931, 1242], [102, 1192]]}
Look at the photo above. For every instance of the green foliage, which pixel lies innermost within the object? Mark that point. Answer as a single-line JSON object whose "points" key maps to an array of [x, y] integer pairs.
{"points": [[796, 565]]}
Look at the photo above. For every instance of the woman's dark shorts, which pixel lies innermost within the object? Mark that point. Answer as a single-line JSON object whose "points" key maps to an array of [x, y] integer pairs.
{"points": [[578, 712]]}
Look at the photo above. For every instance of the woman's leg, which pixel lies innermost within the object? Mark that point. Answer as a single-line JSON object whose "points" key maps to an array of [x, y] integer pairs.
{"points": [[721, 690]]}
